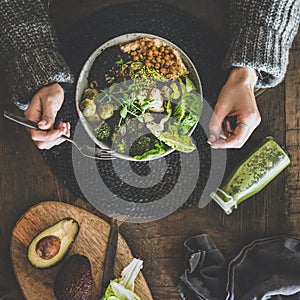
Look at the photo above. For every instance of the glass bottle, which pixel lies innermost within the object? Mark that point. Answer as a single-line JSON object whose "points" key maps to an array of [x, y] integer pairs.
{"points": [[251, 175]]}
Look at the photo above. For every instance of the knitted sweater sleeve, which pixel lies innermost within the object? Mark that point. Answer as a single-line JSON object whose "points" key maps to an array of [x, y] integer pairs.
{"points": [[262, 34], [29, 50]]}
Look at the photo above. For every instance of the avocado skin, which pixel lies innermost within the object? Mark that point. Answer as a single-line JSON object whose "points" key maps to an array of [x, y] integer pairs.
{"points": [[32, 256], [74, 280]]}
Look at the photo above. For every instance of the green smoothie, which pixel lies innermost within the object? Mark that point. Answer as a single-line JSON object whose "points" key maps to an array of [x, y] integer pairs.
{"points": [[252, 175]]}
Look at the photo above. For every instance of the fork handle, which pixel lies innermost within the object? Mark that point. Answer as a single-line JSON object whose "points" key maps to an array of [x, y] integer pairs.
{"points": [[26, 122], [20, 120], [66, 138]]}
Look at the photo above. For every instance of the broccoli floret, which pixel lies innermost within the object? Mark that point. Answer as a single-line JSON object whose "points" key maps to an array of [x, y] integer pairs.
{"points": [[140, 145], [103, 131]]}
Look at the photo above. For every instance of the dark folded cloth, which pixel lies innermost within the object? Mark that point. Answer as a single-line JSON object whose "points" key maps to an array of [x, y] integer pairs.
{"points": [[265, 269]]}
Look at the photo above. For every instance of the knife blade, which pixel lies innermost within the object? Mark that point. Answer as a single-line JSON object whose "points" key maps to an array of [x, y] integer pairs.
{"points": [[110, 257]]}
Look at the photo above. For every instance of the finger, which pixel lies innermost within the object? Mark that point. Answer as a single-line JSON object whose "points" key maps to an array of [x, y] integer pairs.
{"points": [[45, 136], [34, 111], [227, 129], [66, 128], [68, 134], [223, 135], [235, 140], [59, 141], [228, 126], [47, 145], [46, 122], [49, 114], [215, 125], [63, 125]]}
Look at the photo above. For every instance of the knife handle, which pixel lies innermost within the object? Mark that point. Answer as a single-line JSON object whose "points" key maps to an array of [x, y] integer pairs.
{"points": [[111, 251]]}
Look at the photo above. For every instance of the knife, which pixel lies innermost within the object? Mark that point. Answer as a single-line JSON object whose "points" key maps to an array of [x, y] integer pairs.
{"points": [[110, 257]]}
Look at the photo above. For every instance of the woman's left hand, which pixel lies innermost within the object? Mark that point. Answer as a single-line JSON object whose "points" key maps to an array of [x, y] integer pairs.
{"points": [[236, 99]]}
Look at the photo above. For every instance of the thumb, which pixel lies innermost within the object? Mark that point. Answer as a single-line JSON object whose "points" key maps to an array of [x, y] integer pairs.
{"points": [[215, 125], [48, 116]]}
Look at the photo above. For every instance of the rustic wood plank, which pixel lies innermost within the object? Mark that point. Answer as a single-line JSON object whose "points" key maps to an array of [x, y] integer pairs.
{"points": [[161, 293], [292, 108]]}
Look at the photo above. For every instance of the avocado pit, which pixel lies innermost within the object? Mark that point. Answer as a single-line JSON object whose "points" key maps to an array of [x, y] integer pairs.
{"points": [[48, 247]]}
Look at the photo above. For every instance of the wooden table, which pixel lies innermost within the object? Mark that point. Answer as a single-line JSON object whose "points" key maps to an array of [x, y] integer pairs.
{"points": [[25, 179]]}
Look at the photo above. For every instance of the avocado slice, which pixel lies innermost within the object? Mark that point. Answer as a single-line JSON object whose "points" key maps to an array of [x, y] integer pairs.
{"points": [[51, 245]]}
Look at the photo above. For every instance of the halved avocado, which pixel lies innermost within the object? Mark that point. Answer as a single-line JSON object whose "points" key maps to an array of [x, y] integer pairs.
{"points": [[51, 245]]}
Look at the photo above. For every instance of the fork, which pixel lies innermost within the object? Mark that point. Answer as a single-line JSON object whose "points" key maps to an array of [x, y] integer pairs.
{"points": [[87, 151]]}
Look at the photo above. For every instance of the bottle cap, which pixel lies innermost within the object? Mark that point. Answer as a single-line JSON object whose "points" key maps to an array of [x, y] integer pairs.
{"points": [[227, 205]]}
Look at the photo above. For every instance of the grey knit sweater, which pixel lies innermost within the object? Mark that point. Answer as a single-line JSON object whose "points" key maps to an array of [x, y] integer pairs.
{"points": [[262, 34], [29, 51]]}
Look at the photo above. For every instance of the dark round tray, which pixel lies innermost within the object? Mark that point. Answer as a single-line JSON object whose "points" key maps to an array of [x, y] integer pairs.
{"points": [[205, 50]]}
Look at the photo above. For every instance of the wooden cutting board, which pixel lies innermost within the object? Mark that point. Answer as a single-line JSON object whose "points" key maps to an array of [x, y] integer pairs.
{"points": [[91, 241]]}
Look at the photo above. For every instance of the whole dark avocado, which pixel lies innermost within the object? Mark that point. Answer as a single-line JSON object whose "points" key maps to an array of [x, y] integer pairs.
{"points": [[74, 280], [52, 244]]}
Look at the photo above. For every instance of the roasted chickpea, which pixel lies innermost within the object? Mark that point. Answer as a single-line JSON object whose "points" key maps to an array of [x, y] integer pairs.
{"points": [[172, 55], [148, 64], [167, 64], [150, 44], [158, 59], [163, 61], [136, 58], [133, 53], [162, 49], [168, 76], [157, 66], [163, 70], [154, 48], [173, 68], [141, 56], [167, 57], [143, 43], [155, 52], [150, 53], [167, 51]]}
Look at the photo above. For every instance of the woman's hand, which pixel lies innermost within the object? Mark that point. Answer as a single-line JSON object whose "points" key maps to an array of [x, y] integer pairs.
{"points": [[236, 99], [43, 109]]}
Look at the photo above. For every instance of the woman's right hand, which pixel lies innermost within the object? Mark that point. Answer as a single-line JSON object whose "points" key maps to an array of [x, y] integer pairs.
{"points": [[43, 109]]}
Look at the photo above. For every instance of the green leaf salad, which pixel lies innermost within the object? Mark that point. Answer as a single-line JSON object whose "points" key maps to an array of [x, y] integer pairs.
{"points": [[141, 101], [123, 288]]}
